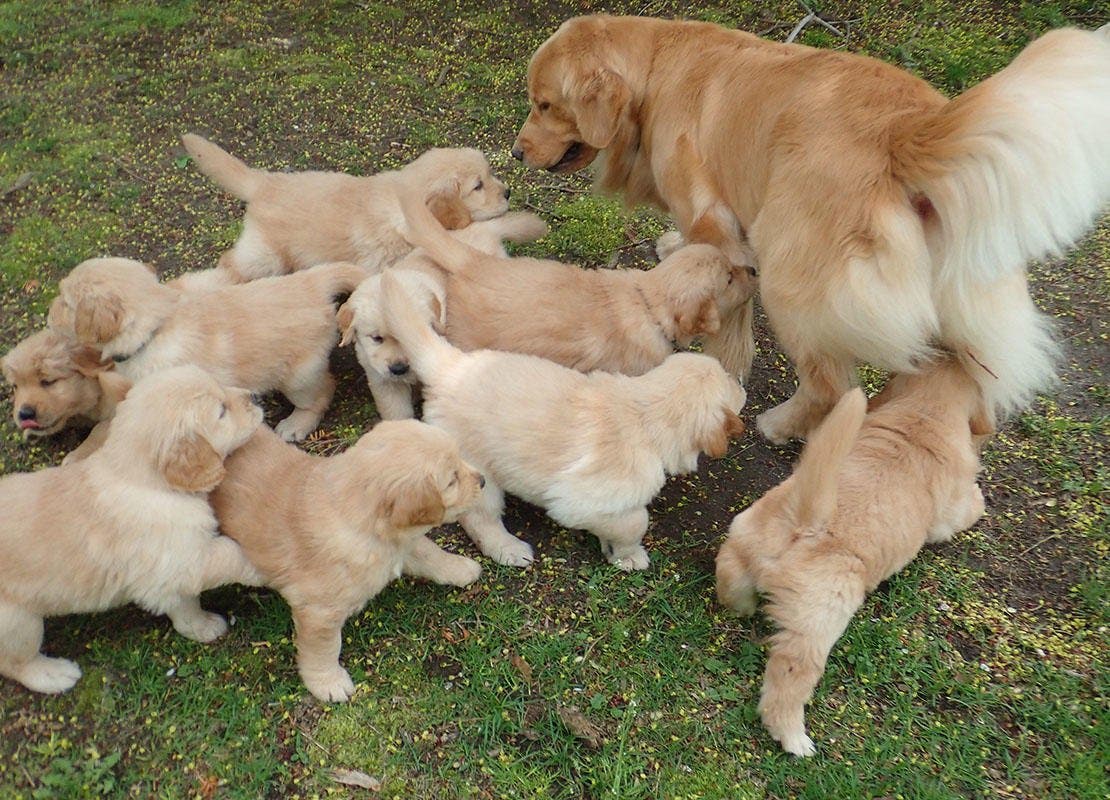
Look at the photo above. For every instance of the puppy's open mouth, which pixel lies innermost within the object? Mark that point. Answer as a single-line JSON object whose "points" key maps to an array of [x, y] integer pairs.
{"points": [[576, 156]]}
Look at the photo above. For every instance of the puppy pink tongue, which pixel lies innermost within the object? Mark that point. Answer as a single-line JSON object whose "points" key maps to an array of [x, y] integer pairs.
{"points": [[25, 424]]}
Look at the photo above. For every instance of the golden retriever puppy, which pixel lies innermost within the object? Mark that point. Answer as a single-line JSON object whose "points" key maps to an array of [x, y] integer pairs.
{"points": [[884, 217], [129, 524], [625, 321], [591, 449], [295, 220], [330, 533], [56, 381], [272, 334], [867, 493], [361, 321]]}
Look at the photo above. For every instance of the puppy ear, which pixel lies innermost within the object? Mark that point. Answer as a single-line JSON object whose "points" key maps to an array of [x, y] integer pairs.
{"points": [[448, 208], [192, 465], [97, 319], [439, 309], [416, 505], [734, 426], [87, 361], [704, 319], [602, 102], [345, 318]]}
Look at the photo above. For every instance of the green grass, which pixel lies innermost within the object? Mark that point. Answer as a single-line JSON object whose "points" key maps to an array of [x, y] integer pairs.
{"points": [[980, 671]]}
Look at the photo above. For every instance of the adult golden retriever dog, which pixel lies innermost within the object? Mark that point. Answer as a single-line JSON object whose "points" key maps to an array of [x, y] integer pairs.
{"points": [[885, 219], [868, 492], [129, 524]]}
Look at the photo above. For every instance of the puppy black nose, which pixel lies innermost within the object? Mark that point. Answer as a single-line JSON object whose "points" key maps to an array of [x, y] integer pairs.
{"points": [[506, 192], [481, 481], [518, 154], [26, 412], [398, 368]]}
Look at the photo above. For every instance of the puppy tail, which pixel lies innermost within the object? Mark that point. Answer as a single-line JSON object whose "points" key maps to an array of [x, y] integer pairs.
{"points": [[423, 230], [815, 479], [1017, 167], [427, 351], [225, 169], [337, 278]]}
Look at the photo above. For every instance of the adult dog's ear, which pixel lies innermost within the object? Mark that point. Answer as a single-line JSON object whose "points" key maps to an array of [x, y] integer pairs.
{"points": [[418, 504], [449, 209], [702, 320], [192, 465], [602, 100], [345, 319]]}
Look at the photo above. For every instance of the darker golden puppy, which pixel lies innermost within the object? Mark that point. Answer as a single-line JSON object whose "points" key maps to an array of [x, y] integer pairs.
{"points": [[884, 218]]}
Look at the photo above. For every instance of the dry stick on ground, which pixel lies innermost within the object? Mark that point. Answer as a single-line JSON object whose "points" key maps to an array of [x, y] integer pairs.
{"points": [[813, 16], [22, 182]]}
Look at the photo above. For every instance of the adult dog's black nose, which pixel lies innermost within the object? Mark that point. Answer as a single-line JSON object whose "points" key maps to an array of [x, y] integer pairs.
{"points": [[518, 154], [26, 412], [398, 368]]}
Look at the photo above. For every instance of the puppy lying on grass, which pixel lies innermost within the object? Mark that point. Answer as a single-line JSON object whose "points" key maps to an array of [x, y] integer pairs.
{"points": [[361, 317], [272, 334], [625, 321], [593, 450], [330, 533], [129, 524], [299, 219], [57, 381], [868, 492]]}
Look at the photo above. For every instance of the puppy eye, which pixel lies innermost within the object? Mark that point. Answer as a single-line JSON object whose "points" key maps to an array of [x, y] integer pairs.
{"points": [[223, 410], [377, 339], [45, 384], [454, 480], [478, 188]]}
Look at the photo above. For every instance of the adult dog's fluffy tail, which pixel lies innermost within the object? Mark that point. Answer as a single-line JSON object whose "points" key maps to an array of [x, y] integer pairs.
{"points": [[427, 351], [423, 230], [1016, 169], [222, 167], [815, 479]]}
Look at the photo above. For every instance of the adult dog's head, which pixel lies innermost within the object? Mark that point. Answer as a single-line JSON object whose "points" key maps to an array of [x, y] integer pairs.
{"points": [[580, 99]]}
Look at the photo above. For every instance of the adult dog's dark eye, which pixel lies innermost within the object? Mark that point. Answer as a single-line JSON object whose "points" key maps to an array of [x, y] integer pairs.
{"points": [[45, 384], [544, 106]]}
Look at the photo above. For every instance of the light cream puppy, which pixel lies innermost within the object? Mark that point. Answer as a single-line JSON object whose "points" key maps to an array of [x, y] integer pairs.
{"points": [[295, 220], [868, 492], [625, 321], [330, 533], [274, 334], [591, 449], [56, 381], [360, 318], [129, 524]]}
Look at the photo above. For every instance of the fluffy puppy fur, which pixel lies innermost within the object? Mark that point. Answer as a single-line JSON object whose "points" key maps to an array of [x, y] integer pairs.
{"points": [[276, 333], [296, 220], [56, 381], [330, 533], [361, 317], [131, 523], [625, 321], [867, 493], [591, 449], [885, 219]]}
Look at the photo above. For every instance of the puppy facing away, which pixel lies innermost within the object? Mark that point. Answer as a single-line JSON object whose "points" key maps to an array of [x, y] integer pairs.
{"points": [[129, 524], [591, 449], [56, 381], [273, 334], [625, 321], [361, 317], [296, 220], [330, 533], [867, 493]]}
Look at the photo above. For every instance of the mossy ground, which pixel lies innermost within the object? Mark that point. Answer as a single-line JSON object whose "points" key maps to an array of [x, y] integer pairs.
{"points": [[979, 671]]}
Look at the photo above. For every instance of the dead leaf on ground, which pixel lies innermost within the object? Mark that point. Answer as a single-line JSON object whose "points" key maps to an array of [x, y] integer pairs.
{"points": [[353, 777], [580, 726], [522, 667]]}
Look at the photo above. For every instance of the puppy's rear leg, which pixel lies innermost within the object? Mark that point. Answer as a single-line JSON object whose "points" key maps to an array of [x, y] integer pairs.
{"points": [[193, 622], [319, 636], [736, 586], [965, 509], [621, 536], [224, 563], [810, 623], [251, 257], [20, 659], [483, 525], [428, 560], [310, 390]]}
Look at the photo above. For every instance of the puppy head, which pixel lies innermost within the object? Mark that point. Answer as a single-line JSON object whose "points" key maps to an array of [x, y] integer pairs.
{"points": [[115, 304], [409, 477], [462, 186], [53, 380], [697, 282], [362, 320], [579, 102], [946, 382], [182, 424]]}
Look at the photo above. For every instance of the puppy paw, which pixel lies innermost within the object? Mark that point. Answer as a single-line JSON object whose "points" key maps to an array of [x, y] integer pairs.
{"points": [[798, 744], [778, 425], [512, 553], [49, 675], [463, 572], [294, 428], [332, 686], [205, 627], [668, 243], [629, 559]]}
